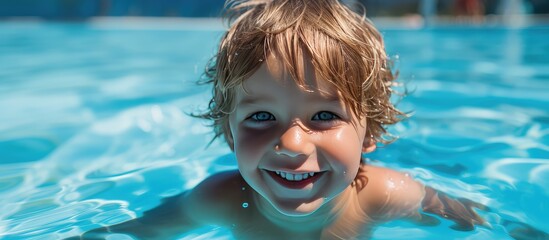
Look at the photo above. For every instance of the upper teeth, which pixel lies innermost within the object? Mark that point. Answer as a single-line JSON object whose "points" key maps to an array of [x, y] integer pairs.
{"points": [[295, 177]]}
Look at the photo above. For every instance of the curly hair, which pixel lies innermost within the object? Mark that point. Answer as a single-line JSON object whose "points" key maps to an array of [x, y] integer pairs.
{"points": [[345, 49]]}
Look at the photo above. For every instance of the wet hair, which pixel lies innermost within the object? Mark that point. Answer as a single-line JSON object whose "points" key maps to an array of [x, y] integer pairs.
{"points": [[344, 47]]}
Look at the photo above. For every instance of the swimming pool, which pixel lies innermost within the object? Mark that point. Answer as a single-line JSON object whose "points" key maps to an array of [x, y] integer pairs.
{"points": [[94, 127]]}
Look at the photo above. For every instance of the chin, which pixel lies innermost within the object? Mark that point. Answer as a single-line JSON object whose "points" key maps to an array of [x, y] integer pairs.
{"points": [[299, 209]]}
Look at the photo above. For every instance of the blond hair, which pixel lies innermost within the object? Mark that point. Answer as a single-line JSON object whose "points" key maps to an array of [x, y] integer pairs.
{"points": [[345, 49]]}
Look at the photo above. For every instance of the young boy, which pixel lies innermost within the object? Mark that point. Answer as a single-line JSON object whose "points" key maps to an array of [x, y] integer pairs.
{"points": [[301, 90]]}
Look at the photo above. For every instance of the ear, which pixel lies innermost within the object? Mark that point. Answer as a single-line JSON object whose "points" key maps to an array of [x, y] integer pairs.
{"points": [[369, 145]]}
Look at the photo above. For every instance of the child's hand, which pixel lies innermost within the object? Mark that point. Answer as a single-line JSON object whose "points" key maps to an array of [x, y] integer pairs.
{"points": [[458, 210]]}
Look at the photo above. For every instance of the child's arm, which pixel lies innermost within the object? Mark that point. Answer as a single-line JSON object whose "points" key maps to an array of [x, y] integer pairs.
{"points": [[462, 213], [459, 210], [165, 221], [389, 194], [206, 204]]}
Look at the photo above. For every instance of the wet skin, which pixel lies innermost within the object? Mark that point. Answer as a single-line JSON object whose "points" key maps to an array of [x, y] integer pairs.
{"points": [[279, 127]]}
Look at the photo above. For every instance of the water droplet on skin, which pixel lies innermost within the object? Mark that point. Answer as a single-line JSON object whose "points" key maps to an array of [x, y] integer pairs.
{"points": [[391, 184], [344, 172], [401, 181], [245, 205]]}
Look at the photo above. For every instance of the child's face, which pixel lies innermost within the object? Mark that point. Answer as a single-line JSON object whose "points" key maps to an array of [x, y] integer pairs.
{"points": [[280, 129]]}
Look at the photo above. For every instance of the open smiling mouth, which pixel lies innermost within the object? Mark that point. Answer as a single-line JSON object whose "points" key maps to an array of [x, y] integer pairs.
{"points": [[294, 181]]}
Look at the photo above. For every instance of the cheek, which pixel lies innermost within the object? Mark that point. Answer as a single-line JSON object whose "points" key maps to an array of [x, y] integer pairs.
{"points": [[250, 144], [344, 146]]}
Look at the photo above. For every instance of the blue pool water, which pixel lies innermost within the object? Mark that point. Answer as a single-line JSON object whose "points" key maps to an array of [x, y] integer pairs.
{"points": [[94, 125]]}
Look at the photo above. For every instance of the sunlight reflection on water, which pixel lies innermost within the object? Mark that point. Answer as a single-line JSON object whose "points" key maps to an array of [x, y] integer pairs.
{"points": [[96, 130]]}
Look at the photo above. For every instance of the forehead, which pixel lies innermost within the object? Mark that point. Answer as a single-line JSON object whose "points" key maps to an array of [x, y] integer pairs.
{"points": [[275, 73]]}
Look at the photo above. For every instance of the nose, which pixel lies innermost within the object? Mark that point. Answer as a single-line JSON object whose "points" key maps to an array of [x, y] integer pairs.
{"points": [[295, 142]]}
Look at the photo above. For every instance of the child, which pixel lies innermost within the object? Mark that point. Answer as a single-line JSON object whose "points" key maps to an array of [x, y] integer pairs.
{"points": [[301, 90]]}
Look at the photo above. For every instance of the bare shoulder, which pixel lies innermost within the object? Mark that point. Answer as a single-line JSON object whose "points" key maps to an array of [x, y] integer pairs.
{"points": [[212, 201], [206, 204], [388, 194], [219, 184]]}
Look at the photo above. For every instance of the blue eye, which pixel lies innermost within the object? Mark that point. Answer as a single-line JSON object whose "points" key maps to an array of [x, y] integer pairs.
{"points": [[325, 116], [262, 116]]}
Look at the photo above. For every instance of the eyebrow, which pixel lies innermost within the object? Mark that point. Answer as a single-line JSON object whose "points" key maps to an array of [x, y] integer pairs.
{"points": [[254, 100], [332, 99]]}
